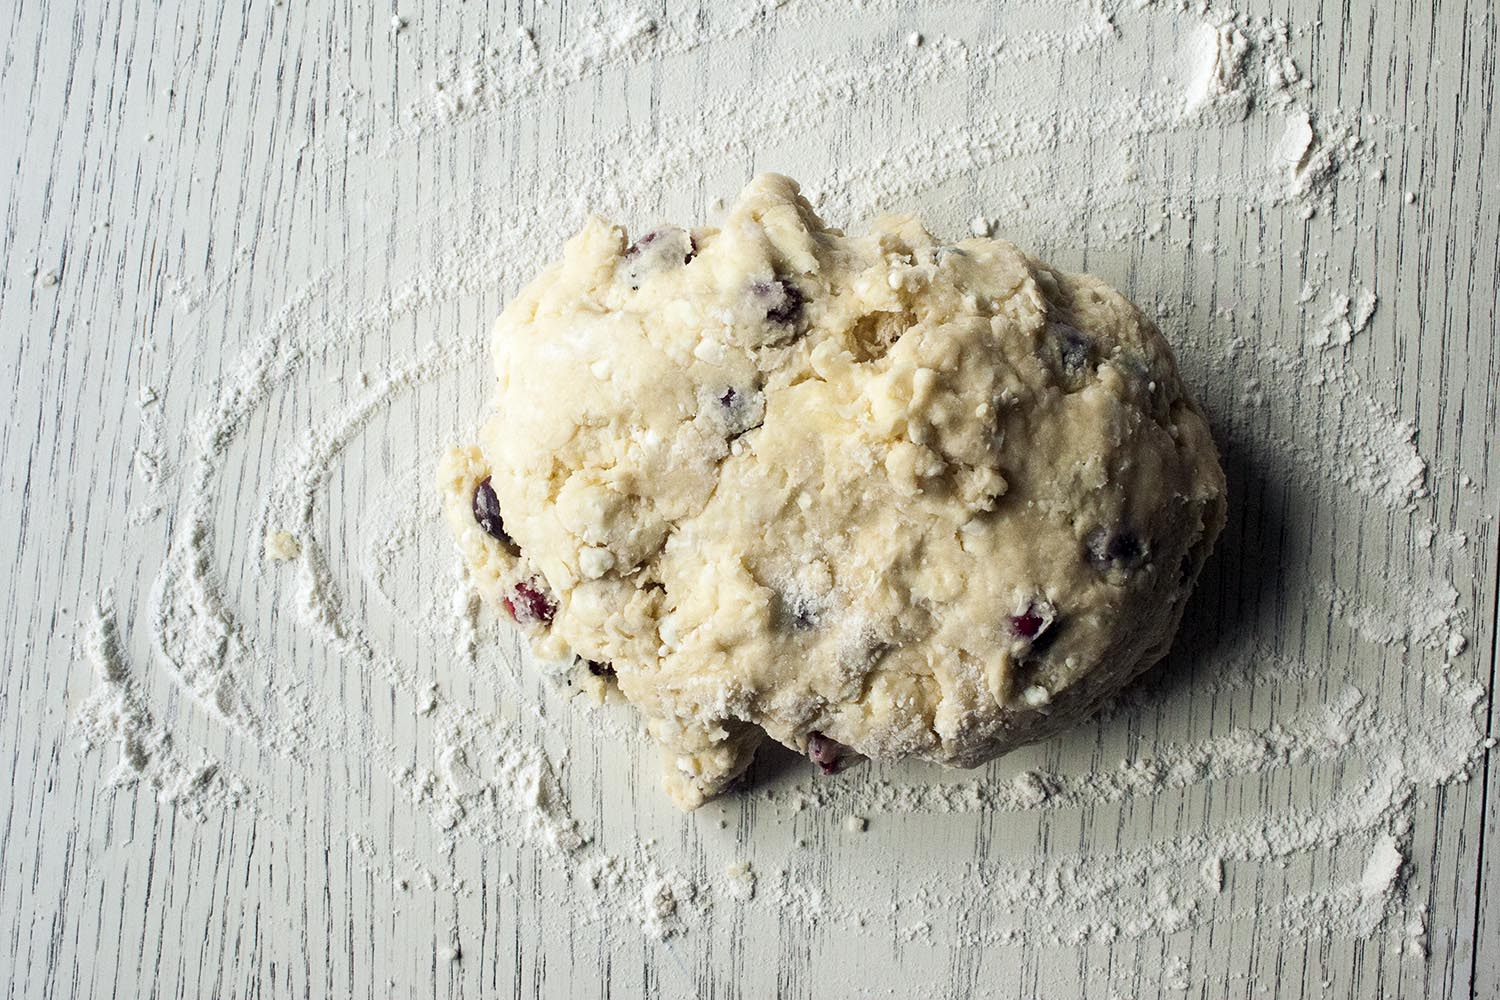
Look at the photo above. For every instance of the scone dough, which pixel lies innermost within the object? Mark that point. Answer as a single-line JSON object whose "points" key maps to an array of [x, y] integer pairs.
{"points": [[868, 495]]}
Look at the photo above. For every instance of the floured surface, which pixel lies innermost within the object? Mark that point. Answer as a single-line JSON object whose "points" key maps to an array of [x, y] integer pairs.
{"points": [[262, 739]]}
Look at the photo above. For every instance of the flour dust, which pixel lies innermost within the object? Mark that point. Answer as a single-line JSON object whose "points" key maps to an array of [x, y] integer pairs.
{"points": [[1084, 174]]}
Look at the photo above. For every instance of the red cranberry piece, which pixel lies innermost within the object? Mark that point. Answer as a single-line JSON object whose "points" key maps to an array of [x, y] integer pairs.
{"points": [[528, 604], [1028, 624], [487, 514], [645, 242], [634, 250], [1034, 626], [658, 250], [824, 752], [783, 300]]}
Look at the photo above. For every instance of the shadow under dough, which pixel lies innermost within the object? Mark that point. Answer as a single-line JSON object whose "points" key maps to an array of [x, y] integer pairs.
{"points": [[1244, 579]]}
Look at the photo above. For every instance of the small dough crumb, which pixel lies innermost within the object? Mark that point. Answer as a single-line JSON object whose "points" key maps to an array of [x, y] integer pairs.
{"points": [[593, 687], [855, 824], [739, 881], [282, 546]]}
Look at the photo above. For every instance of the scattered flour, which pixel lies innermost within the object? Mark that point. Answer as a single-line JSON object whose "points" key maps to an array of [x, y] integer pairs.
{"points": [[1296, 141], [1344, 319], [480, 781], [117, 713], [466, 608], [1212, 874], [1364, 310], [1175, 975], [152, 469], [1382, 870], [1218, 90]]}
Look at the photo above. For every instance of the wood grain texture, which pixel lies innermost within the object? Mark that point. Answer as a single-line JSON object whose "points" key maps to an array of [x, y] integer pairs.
{"points": [[187, 168]]}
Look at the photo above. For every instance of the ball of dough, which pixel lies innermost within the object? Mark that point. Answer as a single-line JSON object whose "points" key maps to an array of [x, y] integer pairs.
{"points": [[868, 495]]}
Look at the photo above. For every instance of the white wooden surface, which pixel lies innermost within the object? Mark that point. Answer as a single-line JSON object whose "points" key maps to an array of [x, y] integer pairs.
{"points": [[186, 169]]}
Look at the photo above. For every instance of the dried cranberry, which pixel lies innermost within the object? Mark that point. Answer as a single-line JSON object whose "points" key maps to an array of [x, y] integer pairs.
{"points": [[658, 250], [783, 299], [740, 410], [1034, 627], [487, 514], [1118, 550], [599, 669], [791, 306], [824, 752], [529, 604], [1028, 624], [798, 613], [1075, 349], [634, 250]]}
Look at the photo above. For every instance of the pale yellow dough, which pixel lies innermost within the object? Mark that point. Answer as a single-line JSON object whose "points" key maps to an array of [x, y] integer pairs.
{"points": [[921, 499]]}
